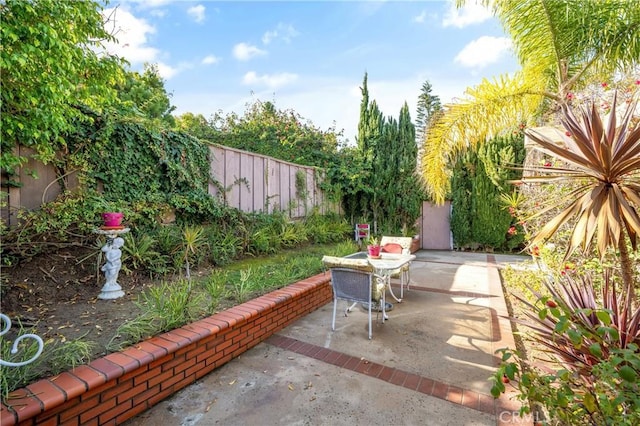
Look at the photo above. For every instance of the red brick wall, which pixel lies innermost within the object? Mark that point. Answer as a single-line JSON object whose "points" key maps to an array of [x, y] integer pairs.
{"points": [[114, 388]]}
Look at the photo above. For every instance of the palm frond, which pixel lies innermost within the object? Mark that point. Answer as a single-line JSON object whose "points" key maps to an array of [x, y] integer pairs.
{"points": [[510, 101]]}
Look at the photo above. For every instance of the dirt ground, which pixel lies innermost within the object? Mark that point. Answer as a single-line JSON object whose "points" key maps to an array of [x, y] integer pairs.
{"points": [[57, 297]]}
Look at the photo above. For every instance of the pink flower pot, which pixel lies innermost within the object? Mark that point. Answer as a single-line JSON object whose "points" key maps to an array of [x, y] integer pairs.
{"points": [[112, 219], [374, 251]]}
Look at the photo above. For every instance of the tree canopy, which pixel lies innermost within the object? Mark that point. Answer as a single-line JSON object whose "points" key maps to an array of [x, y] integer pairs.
{"points": [[51, 70], [145, 95]]}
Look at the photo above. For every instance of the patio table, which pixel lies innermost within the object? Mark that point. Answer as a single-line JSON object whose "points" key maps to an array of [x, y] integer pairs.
{"points": [[384, 267]]}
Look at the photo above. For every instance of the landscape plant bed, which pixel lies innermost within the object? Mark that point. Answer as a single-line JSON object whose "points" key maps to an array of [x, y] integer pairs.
{"points": [[121, 385]]}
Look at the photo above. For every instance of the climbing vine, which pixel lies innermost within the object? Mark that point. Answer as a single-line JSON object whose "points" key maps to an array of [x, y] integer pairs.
{"points": [[132, 162]]}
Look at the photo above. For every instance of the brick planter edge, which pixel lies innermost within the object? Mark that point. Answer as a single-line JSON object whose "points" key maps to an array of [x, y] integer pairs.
{"points": [[121, 385]]}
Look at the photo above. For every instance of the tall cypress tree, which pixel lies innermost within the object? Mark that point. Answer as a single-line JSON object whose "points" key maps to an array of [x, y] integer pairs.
{"points": [[390, 194], [428, 106], [356, 197], [478, 215], [412, 194], [374, 159], [386, 172], [461, 186]]}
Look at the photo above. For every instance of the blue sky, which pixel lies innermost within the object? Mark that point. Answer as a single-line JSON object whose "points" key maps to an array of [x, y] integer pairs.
{"points": [[309, 56]]}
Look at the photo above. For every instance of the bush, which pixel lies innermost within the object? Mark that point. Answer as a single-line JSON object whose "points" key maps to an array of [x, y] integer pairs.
{"points": [[594, 361]]}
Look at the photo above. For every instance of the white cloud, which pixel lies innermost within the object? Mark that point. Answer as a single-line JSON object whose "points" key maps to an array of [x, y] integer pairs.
{"points": [[467, 15], [244, 51], [149, 4], [283, 31], [271, 81], [167, 71], [197, 13], [483, 51], [158, 13], [420, 18], [131, 34], [210, 59]]}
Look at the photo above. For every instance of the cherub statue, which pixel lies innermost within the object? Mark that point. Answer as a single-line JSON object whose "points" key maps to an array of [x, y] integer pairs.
{"points": [[112, 267]]}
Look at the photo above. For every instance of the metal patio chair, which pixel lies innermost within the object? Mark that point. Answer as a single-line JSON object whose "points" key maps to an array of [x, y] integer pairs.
{"points": [[353, 280]]}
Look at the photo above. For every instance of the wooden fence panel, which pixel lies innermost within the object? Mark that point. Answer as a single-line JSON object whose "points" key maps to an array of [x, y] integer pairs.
{"points": [[259, 185], [270, 184], [38, 183]]}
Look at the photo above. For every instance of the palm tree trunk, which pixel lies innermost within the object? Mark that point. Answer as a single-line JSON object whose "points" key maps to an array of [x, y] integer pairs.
{"points": [[627, 270]]}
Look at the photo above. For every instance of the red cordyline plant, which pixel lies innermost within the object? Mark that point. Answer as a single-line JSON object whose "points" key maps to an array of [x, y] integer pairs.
{"points": [[595, 379], [603, 164], [578, 330]]}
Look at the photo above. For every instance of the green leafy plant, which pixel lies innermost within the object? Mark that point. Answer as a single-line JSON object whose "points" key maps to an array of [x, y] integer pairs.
{"points": [[172, 304], [70, 354], [139, 252], [372, 240], [133, 331], [215, 288], [242, 288], [193, 244], [292, 234], [223, 248], [593, 354], [12, 378], [164, 307]]}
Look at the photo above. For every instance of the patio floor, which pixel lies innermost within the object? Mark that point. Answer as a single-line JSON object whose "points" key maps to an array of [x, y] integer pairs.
{"points": [[427, 365]]}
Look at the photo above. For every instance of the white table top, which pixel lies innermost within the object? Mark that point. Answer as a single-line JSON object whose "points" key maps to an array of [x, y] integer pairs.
{"points": [[391, 260], [387, 261]]}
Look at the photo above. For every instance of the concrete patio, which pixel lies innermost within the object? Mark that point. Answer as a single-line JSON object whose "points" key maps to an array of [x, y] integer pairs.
{"points": [[428, 364]]}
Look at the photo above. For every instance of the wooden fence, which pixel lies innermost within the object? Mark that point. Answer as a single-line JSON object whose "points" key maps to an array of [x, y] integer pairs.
{"points": [[257, 183], [247, 181]]}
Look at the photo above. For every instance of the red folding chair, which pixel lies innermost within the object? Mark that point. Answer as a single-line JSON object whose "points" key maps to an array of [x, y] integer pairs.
{"points": [[362, 231]]}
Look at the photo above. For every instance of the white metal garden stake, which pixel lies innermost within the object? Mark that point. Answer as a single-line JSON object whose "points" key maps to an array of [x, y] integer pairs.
{"points": [[14, 349]]}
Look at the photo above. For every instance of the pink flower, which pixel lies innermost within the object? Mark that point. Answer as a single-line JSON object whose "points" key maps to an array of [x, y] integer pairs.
{"points": [[568, 133], [512, 231], [604, 85], [547, 164], [569, 95]]}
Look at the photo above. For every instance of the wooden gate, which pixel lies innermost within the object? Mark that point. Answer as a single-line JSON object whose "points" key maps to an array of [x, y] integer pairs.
{"points": [[435, 233]]}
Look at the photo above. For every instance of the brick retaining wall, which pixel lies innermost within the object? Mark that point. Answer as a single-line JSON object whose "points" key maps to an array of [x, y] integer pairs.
{"points": [[116, 387]]}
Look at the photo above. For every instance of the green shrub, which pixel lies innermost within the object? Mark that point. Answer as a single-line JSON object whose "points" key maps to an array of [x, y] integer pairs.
{"points": [[595, 358]]}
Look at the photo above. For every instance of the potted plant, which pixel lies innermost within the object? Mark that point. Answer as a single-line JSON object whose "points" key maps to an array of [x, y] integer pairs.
{"points": [[111, 215], [373, 247]]}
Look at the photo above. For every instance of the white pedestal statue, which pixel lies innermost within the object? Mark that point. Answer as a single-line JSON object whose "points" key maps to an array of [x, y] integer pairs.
{"points": [[112, 252]]}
